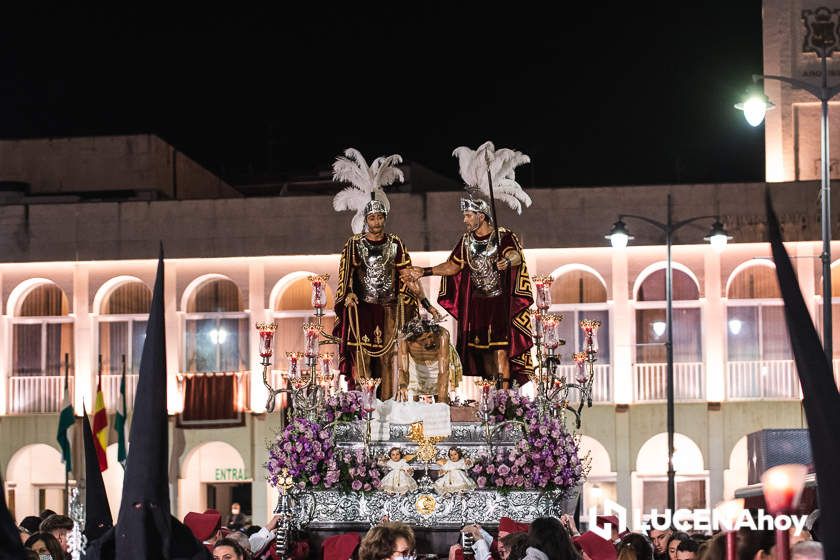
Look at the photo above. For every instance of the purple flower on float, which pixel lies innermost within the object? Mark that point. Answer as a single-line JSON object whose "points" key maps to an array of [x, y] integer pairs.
{"points": [[503, 470], [356, 485], [481, 481]]}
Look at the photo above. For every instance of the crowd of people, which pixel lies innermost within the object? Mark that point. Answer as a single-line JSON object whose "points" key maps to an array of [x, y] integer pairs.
{"points": [[45, 537]]}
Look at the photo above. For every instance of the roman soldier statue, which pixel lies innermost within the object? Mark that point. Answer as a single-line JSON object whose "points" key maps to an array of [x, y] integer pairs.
{"points": [[372, 300], [485, 284]]}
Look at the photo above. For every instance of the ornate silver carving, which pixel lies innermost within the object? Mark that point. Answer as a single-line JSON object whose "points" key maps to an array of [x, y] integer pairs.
{"points": [[331, 507], [481, 258], [376, 275]]}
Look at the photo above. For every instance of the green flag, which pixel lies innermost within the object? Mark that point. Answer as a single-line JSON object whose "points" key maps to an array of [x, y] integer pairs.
{"points": [[119, 421], [65, 420]]}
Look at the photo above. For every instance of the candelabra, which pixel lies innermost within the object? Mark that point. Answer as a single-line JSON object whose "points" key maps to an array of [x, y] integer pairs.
{"points": [[310, 378], [368, 388], [486, 404], [552, 389], [285, 513]]}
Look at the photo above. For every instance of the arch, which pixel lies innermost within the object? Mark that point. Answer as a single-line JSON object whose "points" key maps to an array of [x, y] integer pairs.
{"points": [[201, 465], [193, 287], [33, 467], [108, 287], [18, 295], [287, 282], [598, 455], [738, 270], [653, 455], [568, 268], [835, 281], [650, 269], [735, 475]]}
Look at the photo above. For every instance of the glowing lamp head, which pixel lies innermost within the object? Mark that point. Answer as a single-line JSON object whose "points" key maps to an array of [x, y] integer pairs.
{"points": [[718, 237], [619, 235], [754, 108]]}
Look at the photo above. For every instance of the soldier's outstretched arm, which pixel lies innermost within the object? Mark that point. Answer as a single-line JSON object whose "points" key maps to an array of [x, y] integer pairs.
{"points": [[446, 268]]}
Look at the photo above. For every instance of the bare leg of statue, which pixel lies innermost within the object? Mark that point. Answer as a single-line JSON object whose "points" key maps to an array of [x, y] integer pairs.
{"points": [[502, 368]]}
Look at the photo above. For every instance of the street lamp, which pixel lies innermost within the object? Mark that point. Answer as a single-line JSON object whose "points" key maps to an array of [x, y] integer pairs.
{"points": [[718, 237], [821, 38]]}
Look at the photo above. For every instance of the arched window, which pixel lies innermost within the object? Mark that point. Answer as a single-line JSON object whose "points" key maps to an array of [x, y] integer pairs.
{"points": [[42, 335], [292, 309], [692, 479], [600, 483], [122, 326], [579, 294], [216, 328], [651, 336], [759, 358]]}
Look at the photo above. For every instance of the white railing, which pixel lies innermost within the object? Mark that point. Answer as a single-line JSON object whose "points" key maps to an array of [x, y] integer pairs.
{"points": [[37, 393], [111, 390], [762, 379], [650, 382]]}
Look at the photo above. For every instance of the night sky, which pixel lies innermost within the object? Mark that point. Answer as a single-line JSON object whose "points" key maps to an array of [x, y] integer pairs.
{"points": [[632, 93]]}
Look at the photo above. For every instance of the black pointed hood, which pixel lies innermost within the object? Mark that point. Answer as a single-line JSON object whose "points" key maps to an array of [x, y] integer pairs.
{"points": [[145, 529], [97, 510], [821, 398]]}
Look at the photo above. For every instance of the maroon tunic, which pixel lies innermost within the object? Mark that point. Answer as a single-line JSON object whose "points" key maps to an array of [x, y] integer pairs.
{"points": [[491, 323], [376, 322]]}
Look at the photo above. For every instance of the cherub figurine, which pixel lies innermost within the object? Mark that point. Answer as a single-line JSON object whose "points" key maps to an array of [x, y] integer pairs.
{"points": [[399, 479], [453, 477]]}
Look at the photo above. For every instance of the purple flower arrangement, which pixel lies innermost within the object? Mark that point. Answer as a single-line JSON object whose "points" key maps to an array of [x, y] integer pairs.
{"points": [[345, 407], [546, 459], [307, 451], [508, 404], [358, 473]]}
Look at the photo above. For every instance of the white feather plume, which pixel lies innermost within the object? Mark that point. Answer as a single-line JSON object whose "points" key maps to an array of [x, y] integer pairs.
{"points": [[473, 166], [366, 182]]}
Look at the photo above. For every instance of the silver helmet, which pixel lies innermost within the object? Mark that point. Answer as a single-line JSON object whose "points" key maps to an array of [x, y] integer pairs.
{"points": [[478, 205], [375, 207]]}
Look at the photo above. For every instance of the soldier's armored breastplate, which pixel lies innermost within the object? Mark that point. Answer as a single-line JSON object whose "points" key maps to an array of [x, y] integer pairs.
{"points": [[375, 274], [481, 258]]}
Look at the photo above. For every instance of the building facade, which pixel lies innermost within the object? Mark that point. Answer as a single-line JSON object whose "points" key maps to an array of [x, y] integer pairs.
{"points": [[733, 366]]}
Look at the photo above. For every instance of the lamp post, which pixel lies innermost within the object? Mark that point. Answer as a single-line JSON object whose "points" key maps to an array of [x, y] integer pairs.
{"points": [[619, 236], [821, 38]]}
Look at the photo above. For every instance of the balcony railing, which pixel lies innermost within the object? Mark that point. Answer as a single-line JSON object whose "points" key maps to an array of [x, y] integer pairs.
{"points": [[763, 379], [650, 382], [111, 390], [37, 393]]}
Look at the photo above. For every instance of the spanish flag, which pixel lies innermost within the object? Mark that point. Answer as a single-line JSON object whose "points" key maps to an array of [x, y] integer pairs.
{"points": [[100, 426]]}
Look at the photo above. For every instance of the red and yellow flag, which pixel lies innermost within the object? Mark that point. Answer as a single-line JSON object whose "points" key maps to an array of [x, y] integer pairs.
{"points": [[100, 426]]}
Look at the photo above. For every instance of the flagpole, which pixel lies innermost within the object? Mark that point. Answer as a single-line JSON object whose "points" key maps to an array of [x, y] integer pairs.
{"points": [[66, 470]]}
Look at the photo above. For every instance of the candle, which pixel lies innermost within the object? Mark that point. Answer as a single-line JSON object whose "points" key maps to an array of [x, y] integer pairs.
{"points": [[543, 289], [311, 333], [783, 487], [266, 331], [319, 291]]}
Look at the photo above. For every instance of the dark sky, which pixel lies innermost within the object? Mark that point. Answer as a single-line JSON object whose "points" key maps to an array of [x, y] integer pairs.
{"points": [[631, 93]]}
